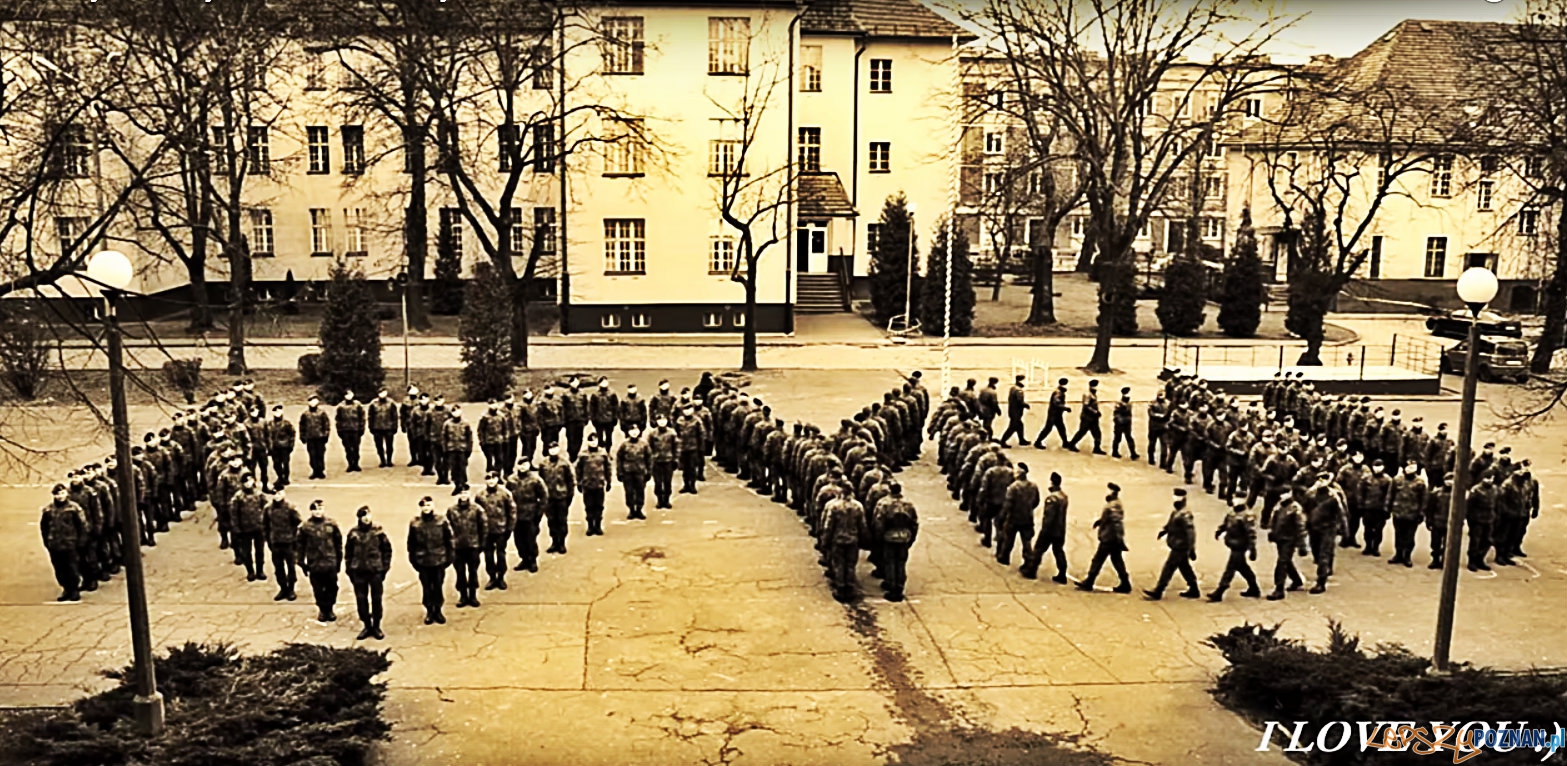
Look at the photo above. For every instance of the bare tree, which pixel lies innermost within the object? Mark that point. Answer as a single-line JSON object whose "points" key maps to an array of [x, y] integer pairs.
{"points": [[1134, 87]]}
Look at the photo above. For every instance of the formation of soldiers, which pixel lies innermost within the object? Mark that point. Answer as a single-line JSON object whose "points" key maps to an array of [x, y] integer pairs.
{"points": [[222, 454], [1323, 469]]}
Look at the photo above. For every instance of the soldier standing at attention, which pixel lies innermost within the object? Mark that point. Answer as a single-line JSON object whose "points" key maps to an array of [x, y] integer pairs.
{"points": [[595, 477], [1052, 534], [603, 411], [405, 414], [1479, 517], [1088, 420], [528, 429], [314, 429], [430, 550], [989, 407], [664, 444], [562, 487], [1112, 542], [368, 557], [1017, 517], [281, 528], [468, 534], [1239, 531], [574, 413], [1158, 418], [633, 411], [508, 435], [500, 518], [492, 437], [895, 525], [351, 429], [457, 443], [530, 496], [551, 416], [662, 403], [1121, 421], [1055, 417], [64, 529], [1288, 535], [321, 556], [1407, 503], [1180, 534], [1017, 404], [1436, 519], [1375, 490], [383, 427], [633, 465], [844, 530], [691, 443], [248, 509], [280, 436]]}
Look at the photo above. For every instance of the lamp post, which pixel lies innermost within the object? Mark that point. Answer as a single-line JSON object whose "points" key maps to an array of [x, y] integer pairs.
{"points": [[402, 288], [112, 271], [1476, 288], [908, 290]]}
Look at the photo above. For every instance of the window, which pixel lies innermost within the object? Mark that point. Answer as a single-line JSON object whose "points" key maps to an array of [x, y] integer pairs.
{"points": [[1376, 257], [723, 157], [810, 68], [353, 149], [881, 75], [1036, 183], [518, 233], [1533, 167], [508, 139], [543, 66], [739, 319], [544, 230], [1212, 227], [623, 155], [995, 142], [995, 182], [1480, 261], [354, 231], [1436, 257], [258, 158], [320, 231], [315, 71], [220, 149], [451, 231], [1212, 187], [872, 237], [623, 45], [544, 148], [1488, 164], [998, 100], [610, 321], [319, 149], [1035, 233], [809, 150], [1079, 226], [1484, 191], [721, 254], [1215, 148], [712, 319], [1382, 162], [728, 44], [1442, 175], [260, 232], [641, 321], [625, 246], [75, 152], [881, 157], [1529, 221], [70, 230], [256, 78], [1252, 107], [1291, 160]]}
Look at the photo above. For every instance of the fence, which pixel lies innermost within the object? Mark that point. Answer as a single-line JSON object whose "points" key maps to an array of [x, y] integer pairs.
{"points": [[1414, 354]]}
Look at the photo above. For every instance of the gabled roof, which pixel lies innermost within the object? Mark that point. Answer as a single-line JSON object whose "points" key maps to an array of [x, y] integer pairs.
{"points": [[821, 195], [878, 18]]}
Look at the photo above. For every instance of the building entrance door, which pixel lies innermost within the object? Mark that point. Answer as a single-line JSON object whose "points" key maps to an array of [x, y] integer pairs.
{"points": [[811, 248]]}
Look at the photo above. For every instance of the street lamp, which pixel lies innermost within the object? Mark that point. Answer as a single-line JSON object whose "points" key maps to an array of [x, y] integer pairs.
{"points": [[111, 270], [1476, 288], [908, 289], [402, 287]]}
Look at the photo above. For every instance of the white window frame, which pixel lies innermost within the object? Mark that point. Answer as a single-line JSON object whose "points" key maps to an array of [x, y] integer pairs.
{"points": [[544, 229], [625, 246], [810, 69], [872, 237], [641, 320], [623, 154], [881, 76], [1442, 176], [508, 142], [880, 157], [721, 254], [739, 318], [1212, 228], [624, 45], [354, 231], [808, 154], [1529, 221], [1252, 106], [1435, 247], [993, 181], [723, 157], [1485, 194], [728, 45], [318, 141], [712, 319], [258, 151], [353, 149], [451, 226], [262, 240], [1079, 226], [76, 151], [1213, 187], [69, 229], [321, 231], [221, 138], [610, 321]]}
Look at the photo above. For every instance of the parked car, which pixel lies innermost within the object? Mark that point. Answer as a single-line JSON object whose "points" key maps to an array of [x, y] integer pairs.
{"points": [[1499, 360], [1455, 325]]}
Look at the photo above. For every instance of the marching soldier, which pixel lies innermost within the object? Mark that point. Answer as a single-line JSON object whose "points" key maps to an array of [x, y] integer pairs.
{"points": [[844, 529], [595, 477], [64, 530], [314, 429], [1158, 418], [1121, 421], [383, 427], [1407, 500], [1288, 535], [467, 520], [1350, 477], [1017, 518], [492, 437], [500, 518], [1055, 417], [1088, 419], [431, 550], [1112, 543], [562, 487], [633, 466], [457, 446], [531, 497], [321, 556], [92, 528], [1180, 534], [989, 407], [1017, 405], [351, 428], [574, 413], [992, 497], [603, 411], [368, 557], [1239, 531], [1326, 521], [1052, 534], [895, 525], [280, 526], [248, 513]]}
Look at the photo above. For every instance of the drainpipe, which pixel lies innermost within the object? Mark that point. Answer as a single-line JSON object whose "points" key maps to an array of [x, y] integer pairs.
{"points": [[560, 225], [854, 171], [790, 237]]}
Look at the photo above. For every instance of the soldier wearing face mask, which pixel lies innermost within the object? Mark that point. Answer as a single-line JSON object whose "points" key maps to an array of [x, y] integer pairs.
{"points": [[1288, 535], [574, 415], [280, 527], [633, 411], [321, 556], [351, 428], [1374, 494], [405, 415], [431, 550], [662, 404], [1350, 478], [633, 466], [531, 497], [64, 529], [595, 477], [603, 412], [280, 437], [248, 512], [1180, 534], [1407, 498], [664, 446], [528, 430], [508, 435], [492, 437], [468, 535], [1325, 521], [419, 430], [500, 518], [552, 417], [457, 446], [561, 486], [382, 417], [438, 457], [314, 429]]}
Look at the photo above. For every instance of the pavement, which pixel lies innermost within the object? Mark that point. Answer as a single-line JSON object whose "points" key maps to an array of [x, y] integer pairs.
{"points": [[706, 634]]}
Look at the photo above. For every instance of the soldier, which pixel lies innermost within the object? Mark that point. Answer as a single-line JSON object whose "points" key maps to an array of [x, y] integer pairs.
{"points": [[664, 444], [1196, 447], [101, 481], [279, 435], [633, 466], [431, 550], [405, 420], [603, 412], [1017, 518], [1288, 535], [562, 488], [321, 556], [1407, 500], [528, 429], [1158, 419], [1121, 422], [280, 526], [595, 478], [228, 483], [1375, 488], [1239, 531], [574, 414], [1052, 534], [247, 510], [1088, 419], [383, 427], [64, 529], [1055, 416], [351, 428], [500, 518], [1350, 478], [467, 520], [1017, 405], [844, 530], [367, 558], [1325, 522], [1437, 508], [421, 435], [1512, 512], [1236, 446], [531, 497], [633, 411], [551, 416], [970, 398], [894, 526], [1532, 504], [989, 407], [457, 446], [691, 442], [1175, 436], [991, 496], [508, 435], [662, 403], [1180, 534], [773, 462], [1112, 542], [492, 437], [92, 528], [314, 429], [1480, 517]]}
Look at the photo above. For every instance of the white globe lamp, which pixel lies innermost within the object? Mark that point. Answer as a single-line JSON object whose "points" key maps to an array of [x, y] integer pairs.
{"points": [[1477, 287], [111, 269]]}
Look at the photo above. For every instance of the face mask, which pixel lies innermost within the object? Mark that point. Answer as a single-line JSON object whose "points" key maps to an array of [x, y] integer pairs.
{"points": [[364, 521], [318, 514], [427, 511], [314, 405]]}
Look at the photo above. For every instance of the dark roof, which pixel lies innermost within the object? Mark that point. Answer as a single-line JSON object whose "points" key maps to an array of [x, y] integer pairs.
{"points": [[878, 18], [821, 195]]}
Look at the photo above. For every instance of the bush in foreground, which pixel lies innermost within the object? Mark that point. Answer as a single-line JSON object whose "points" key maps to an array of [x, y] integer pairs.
{"points": [[300, 703]]}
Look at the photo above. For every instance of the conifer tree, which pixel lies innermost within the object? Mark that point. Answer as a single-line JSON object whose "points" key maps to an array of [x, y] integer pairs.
{"points": [[932, 305], [1241, 292], [350, 337], [446, 292], [1184, 296], [889, 268], [485, 331]]}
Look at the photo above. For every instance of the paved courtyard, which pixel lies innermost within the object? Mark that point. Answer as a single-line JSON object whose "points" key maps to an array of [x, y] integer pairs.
{"points": [[706, 634]]}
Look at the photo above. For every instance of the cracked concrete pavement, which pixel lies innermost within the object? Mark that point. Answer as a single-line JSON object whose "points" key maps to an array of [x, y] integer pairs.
{"points": [[705, 635]]}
